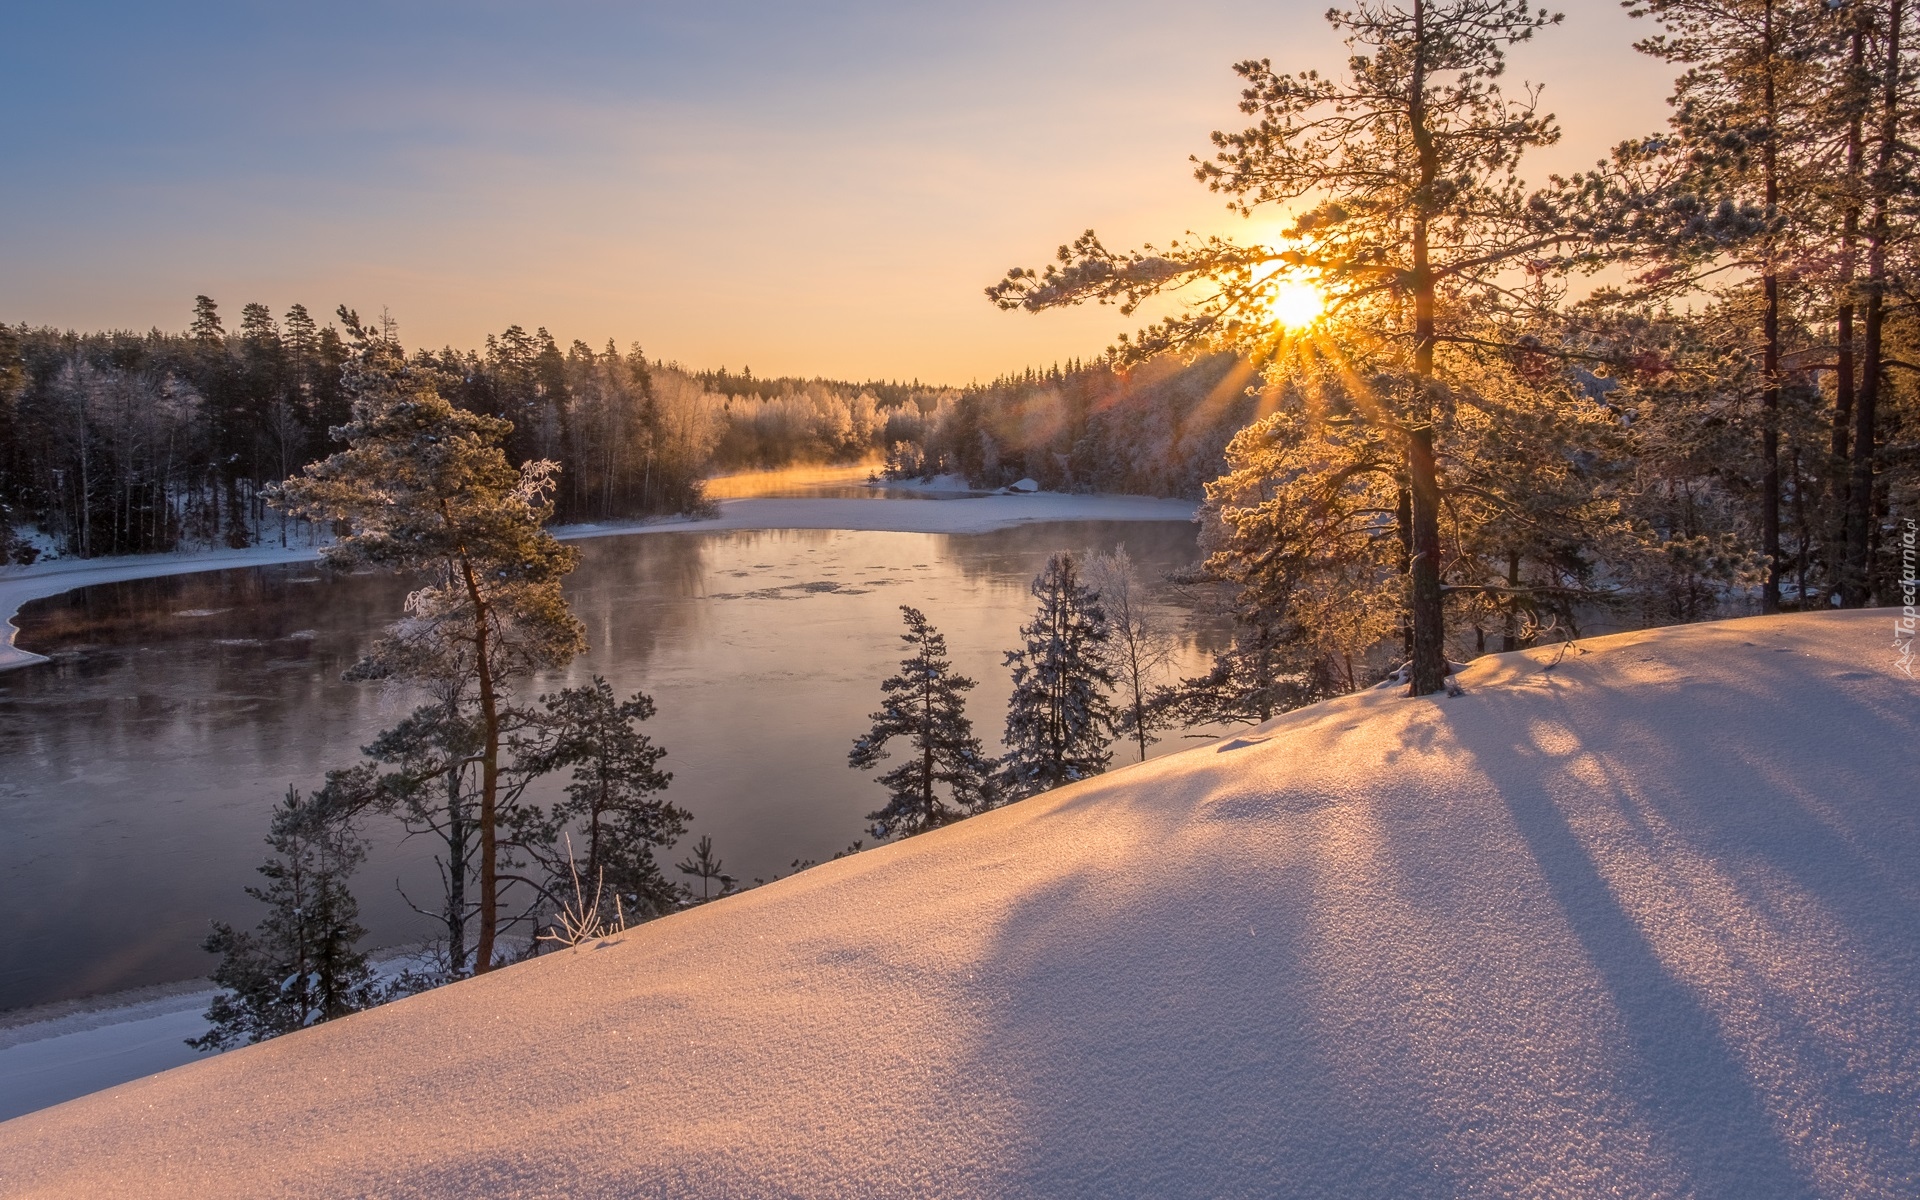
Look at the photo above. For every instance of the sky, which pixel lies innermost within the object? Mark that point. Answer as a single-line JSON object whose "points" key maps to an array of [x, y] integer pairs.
{"points": [[812, 190]]}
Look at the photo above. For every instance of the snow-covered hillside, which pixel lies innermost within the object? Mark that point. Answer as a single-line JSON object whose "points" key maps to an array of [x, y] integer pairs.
{"points": [[1646, 924]]}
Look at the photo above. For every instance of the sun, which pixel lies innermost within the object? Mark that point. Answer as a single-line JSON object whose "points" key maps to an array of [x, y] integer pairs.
{"points": [[1297, 304]]}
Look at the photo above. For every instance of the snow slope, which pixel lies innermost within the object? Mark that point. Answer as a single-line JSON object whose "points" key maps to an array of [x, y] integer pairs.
{"points": [[1646, 924], [977, 514]]}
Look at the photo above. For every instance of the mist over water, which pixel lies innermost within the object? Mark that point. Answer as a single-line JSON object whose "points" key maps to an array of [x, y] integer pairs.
{"points": [[138, 767]]}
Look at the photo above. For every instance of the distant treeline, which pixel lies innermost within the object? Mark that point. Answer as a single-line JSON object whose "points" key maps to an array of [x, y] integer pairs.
{"points": [[120, 442], [126, 443]]}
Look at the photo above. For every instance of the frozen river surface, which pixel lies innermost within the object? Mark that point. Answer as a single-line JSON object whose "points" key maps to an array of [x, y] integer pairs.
{"points": [[137, 767]]}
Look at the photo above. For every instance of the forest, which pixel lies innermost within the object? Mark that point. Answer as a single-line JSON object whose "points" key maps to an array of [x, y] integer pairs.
{"points": [[125, 443]]}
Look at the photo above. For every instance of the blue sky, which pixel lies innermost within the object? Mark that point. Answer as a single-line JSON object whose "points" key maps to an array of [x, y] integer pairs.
{"points": [[804, 189]]}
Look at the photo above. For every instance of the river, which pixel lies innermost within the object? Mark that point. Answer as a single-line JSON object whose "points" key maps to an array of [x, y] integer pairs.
{"points": [[137, 767]]}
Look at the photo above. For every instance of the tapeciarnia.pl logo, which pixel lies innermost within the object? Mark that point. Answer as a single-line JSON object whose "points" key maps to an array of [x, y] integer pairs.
{"points": [[1904, 624]]}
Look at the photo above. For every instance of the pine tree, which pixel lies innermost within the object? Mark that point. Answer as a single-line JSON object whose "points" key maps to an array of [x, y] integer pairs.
{"points": [[1794, 109], [612, 798], [299, 966], [1407, 171], [1741, 114], [1250, 681], [926, 705], [703, 864], [1890, 210], [423, 486], [1059, 720], [423, 772]]}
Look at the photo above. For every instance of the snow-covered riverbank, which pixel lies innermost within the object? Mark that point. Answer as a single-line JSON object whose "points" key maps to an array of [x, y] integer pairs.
{"points": [[56, 1052], [974, 514], [60, 1051]]}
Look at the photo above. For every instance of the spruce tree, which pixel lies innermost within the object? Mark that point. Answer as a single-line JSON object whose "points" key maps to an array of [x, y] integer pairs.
{"points": [[1059, 720], [300, 965], [613, 797], [425, 487], [926, 705]]}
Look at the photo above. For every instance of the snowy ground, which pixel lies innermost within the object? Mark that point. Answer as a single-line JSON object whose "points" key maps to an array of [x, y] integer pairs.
{"points": [[1644, 924], [979, 514]]}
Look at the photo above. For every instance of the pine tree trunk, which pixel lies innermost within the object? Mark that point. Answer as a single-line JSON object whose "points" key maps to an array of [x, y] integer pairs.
{"points": [[1429, 667], [1838, 474], [595, 869], [1770, 415], [489, 776], [1427, 670], [1403, 559], [1802, 532], [456, 877], [1858, 584], [1510, 629]]}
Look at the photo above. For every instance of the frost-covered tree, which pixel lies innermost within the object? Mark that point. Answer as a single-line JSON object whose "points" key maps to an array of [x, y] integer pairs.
{"points": [[945, 775], [1139, 644], [425, 487], [1409, 212], [300, 965], [1060, 723], [1742, 112]]}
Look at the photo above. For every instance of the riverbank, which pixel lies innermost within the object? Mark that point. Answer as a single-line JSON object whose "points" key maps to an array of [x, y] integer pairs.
{"points": [[53, 1053], [56, 1052], [959, 515]]}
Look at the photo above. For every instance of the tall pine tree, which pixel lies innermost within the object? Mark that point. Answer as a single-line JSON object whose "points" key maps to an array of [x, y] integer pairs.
{"points": [[425, 487], [1741, 113], [1410, 212]]}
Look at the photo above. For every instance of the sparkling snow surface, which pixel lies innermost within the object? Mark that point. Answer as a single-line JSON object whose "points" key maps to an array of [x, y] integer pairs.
{"points": [[1647, 924]]}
